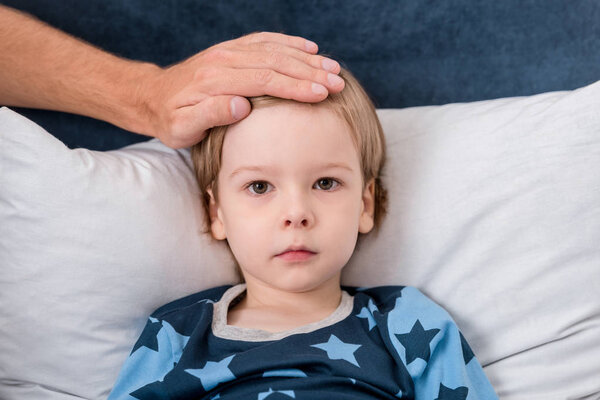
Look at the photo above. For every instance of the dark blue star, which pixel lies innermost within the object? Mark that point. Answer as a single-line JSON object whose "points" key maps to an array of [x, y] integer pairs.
{"points": [[153, 391], [148, 336], [416, 342], [466, 349], [460, 393]]}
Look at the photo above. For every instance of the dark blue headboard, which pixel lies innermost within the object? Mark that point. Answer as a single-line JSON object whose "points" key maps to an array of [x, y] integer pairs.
{"points": [[406, 53]]}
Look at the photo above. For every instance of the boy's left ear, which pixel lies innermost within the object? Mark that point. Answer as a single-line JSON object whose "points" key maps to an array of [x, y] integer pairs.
{"points": [[217, 226], [366, 221]]}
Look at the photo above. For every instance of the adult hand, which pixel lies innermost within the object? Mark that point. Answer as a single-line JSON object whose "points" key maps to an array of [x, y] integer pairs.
{"points": [[43, 67], [182, 101]]}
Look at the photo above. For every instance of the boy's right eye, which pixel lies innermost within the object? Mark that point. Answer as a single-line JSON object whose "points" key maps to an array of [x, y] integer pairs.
{"points": [[258, 187]]}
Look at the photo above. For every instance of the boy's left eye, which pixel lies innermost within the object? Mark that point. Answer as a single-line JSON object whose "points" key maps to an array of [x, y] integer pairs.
{"points": [[327, 183]]}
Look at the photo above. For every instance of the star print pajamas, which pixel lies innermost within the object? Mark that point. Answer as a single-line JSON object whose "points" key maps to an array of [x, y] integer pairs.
{"points": [[387, 342]]}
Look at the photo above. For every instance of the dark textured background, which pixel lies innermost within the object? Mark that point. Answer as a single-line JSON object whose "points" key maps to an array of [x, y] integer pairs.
{"points": [[406, 53]]}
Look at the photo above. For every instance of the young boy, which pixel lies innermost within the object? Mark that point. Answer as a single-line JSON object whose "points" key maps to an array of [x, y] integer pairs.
{"points": [[290, 188]]}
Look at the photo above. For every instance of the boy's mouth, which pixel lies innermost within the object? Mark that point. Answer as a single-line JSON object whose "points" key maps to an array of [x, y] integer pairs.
{"points": [[296, 253]]}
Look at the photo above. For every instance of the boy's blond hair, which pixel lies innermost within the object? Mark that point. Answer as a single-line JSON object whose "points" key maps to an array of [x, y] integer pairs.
{"points": [[352, 104]]}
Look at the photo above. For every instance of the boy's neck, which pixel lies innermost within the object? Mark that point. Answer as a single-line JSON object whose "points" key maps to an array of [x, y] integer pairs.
{"points": [[274, 310]]}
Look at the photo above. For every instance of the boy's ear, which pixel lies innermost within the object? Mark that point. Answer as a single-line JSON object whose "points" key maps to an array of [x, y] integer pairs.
{"points": [[366, 221], [217, 227]]}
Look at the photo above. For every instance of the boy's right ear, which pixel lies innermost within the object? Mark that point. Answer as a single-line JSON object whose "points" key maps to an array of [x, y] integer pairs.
{"points": [[217, 227]]}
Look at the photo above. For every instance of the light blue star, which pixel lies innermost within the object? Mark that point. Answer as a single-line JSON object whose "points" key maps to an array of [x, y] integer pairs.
{"points": [[366, 314], [399, 394], [289, 373], [353, 381], [338, 350], [156, 363], [264, 395], [213, 373], [218, 396]]}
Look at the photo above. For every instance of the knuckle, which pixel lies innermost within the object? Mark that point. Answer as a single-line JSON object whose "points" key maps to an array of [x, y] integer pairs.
{"points": [[274, 59], [206, 74], [212, 112], [302, 86], [200, 74], [315, 61], [260, 36], [253, 37], [309, 59], [268, 47], [263, 76], [218, 54], [320, 76]]}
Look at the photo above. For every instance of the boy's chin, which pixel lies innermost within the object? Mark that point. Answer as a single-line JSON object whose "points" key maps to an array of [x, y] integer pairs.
{"points": [[299, 286]]}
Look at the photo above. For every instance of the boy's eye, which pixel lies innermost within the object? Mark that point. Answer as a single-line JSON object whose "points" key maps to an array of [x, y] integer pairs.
{"points": [[262, 187], [258, 187], [327, 183]]}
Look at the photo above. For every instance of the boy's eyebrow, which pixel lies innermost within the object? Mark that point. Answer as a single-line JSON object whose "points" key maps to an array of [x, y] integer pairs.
{"points": [[261, 168]]}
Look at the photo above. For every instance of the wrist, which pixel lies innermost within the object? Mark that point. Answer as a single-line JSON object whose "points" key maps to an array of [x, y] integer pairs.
{"points": [[138, 111]]}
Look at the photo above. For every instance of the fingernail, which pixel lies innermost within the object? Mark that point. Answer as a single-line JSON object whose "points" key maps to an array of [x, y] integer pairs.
{"points": [[318, 89], [329, 65], [237, 107], [311, 46], [334, 80]]}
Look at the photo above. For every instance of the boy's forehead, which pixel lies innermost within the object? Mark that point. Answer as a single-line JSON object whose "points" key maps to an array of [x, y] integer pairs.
{"points": [[288, 128], [282, 112], [287, 117]]}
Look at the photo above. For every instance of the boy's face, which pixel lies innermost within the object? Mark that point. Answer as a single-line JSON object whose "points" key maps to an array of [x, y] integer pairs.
{"points": [[290, 177]]}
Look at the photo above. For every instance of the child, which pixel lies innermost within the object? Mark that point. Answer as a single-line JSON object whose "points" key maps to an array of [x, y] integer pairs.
{"points": [[291, 188]]}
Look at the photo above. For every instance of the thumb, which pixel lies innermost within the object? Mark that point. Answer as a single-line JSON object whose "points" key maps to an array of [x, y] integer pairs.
{"points": [[194, 121], [240, 108], [221, 110]]}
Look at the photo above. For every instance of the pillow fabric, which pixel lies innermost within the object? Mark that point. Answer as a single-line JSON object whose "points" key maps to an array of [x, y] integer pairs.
{"points": [[494, 212], [90, 244]]}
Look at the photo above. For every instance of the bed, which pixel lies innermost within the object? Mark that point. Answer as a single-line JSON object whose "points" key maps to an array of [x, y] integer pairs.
{"points": [[492, 116]]}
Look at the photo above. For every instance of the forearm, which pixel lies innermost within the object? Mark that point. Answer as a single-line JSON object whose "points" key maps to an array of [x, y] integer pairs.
{"points": [[42, 67]]}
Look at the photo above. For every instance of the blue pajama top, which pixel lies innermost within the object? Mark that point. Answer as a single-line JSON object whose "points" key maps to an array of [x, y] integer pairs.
{"points": [[386, 342]]}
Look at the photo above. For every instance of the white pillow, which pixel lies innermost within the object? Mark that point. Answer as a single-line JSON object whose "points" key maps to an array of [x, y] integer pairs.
{"points": [[90, 244], [494, 213]]}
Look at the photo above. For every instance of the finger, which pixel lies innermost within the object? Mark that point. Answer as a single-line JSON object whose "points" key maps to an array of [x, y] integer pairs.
{"points": [[270, 54], [292, 64], [288, 40], [272, 51], [218, 79], [256, 82], [239, 107], [264, 56], [193, 121]]}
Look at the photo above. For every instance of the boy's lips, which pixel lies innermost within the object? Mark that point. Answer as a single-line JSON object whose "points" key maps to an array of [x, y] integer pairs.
{"points": [[296, 253]]}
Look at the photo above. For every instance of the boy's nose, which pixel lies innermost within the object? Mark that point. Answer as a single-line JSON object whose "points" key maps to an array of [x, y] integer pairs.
{"points": [[298, 214], [297, 222]]}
